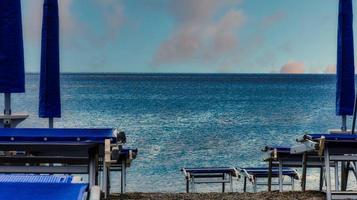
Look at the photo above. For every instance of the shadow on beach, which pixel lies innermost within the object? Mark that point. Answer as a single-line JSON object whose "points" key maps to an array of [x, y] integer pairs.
{"points": [[310, 195]]}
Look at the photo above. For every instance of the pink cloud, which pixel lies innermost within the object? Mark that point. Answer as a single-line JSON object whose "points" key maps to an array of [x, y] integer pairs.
{"points": [[293, 68], [197, 34], [273, 19], [113, 14], [72, 27], [330, 69]]}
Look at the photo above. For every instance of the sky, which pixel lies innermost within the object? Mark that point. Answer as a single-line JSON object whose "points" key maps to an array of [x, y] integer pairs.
{"points": [[189, 36]]}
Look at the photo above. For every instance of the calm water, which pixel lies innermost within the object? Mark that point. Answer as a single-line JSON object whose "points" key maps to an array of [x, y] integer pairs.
{"points": [[191, 120]]}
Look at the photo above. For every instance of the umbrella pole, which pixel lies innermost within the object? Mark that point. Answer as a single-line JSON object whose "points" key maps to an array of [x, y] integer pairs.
{"points": [[7, 99], [50, 122], [7, 108], [344, 123], [354, 117]]}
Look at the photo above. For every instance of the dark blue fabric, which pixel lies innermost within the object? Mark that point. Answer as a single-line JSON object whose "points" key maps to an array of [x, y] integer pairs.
{"points": [[333, 137], [50, 100], [345, 86], [32, 178], [263, 172], [205, 170], [279, 149], [42, 191], [46, 135], [12, 74]]}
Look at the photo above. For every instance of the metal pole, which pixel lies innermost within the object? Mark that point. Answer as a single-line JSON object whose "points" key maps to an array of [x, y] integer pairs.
{"points": [[270, 174], [344, 123], [304, 171], [50, 122], [7, 100], [354, 116]]}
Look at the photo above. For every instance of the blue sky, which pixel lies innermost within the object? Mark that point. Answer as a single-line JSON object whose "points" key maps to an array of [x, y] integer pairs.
{"points": [[199, 36]]}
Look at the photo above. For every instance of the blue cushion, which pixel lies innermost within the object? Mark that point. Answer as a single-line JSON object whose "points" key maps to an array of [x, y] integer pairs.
{"points": [[42, 191], [56, 135], [205, 170]]}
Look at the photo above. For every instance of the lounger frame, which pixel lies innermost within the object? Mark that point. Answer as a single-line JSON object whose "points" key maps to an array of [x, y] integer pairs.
{"points": [[222, 176], [334, 148]]}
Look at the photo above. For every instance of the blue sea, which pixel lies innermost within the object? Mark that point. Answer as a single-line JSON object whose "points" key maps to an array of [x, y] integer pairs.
{"points": [[187, 120]]}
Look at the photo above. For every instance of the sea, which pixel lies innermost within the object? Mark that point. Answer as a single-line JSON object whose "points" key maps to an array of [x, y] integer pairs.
{"points": [[191, 120]]}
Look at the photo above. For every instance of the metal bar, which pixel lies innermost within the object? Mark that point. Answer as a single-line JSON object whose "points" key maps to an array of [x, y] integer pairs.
{"points": [[336, 176], [354, 117], [270, 174], [207, 181], [327, 174], [292, 184], [105, 181], [344, 123], [280, 176], [7, 102], [187, 185], [123, 178], [231, 182], [354, 169], [245, 185], [193, 184], [321, 178], [223, 184], [304, 168], [92, 168], [45, 169], [344, 158], [255, 184], [7, 109], [50, 122]]}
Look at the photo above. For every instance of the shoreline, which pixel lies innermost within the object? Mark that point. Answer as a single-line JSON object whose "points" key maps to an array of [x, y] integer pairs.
{"points": [[308, 195]]}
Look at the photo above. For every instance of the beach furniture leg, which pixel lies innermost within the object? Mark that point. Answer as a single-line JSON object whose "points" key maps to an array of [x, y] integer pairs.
{"points": [[336, 177], [223, 184], [321, 178], [123, 176], [187, 185], [280, 176], [327, 174], [92, 168], [193, 184], [344, 175], [269, 174], [231, 182], [354, 169], [104, 181], [255, 184], [304, 168], [292, 184], [245, 185]]}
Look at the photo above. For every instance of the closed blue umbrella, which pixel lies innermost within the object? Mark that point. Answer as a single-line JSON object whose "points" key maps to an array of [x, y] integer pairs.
{"points": [[12, 75], [50, 100], [345, 93]]}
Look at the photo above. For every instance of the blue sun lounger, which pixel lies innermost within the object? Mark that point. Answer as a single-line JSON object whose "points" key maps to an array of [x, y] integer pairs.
{"points": [[333, 148], [207, 175], [253, 174], [43, 187], [60, 151], [278, 156], [124, 158]]}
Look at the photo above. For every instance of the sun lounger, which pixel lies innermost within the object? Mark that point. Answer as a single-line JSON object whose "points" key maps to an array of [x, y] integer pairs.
{"points": [[60, 151], [253, 174], [124, 158], [43, 187], [278, 156], [334, 148], [209, 175]]}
